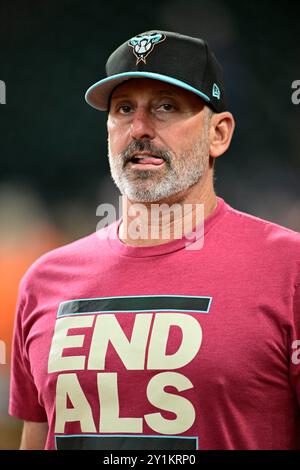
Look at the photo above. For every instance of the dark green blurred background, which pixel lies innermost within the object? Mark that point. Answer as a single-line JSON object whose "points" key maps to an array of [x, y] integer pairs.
{"points": [[54, 169], [51, 51]]}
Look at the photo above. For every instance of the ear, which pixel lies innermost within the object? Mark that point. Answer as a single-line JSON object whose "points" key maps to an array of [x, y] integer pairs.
{"points": [[221, 130]]}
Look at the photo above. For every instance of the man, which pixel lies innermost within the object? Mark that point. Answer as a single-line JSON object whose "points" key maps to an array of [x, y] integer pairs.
{"points": [[137, 338]]}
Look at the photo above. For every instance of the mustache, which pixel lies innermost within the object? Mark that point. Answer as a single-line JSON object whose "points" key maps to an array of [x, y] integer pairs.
{"points": [[144, 146]]}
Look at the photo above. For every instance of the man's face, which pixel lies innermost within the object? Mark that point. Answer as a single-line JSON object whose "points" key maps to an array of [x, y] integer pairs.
{"points": [[158, 139]]}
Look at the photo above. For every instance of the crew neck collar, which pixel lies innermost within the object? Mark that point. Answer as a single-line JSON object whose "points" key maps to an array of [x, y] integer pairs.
{"points": [[157, 250]]}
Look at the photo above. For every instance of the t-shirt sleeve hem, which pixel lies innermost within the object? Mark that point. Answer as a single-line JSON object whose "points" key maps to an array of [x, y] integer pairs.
{"points": [[16, 412]]}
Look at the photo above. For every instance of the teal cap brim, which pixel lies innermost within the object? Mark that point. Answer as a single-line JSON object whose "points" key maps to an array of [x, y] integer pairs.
{"points": [[98, 94]]}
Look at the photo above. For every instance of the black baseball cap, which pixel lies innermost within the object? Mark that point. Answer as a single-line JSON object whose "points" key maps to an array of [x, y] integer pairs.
{"points": [[174, 58]]}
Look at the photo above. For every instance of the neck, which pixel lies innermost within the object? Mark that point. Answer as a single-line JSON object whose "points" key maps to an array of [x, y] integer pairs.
{"points": [[150, 224]]}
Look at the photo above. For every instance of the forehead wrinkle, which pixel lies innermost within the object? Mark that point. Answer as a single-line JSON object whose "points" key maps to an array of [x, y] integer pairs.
{"points": [[155, 88], [126, 95]]}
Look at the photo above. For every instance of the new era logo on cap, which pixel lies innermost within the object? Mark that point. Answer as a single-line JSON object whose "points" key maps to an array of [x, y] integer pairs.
{"points": [[174, 58], [216, 91]]}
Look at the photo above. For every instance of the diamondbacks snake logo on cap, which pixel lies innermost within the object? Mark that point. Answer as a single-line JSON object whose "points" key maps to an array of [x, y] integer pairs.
{"points": [[143, 45]]}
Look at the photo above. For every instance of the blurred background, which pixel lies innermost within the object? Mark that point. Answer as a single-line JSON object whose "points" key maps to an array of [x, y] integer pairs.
{"points": [[54, 171]]}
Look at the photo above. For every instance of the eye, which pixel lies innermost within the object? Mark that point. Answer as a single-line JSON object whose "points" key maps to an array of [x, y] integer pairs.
{"points": [[124, 109], [166, 107]]}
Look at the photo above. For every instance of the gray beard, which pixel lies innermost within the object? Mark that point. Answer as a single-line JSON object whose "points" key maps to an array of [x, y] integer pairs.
{"points": [[178, 174]]}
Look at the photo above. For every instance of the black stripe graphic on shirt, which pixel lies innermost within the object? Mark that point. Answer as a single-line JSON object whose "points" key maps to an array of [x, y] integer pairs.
{"points": [[140, 303], [84, 442]]}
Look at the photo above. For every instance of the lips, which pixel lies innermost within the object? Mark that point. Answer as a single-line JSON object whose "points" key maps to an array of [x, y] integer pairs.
{"points": [[147, 160]]}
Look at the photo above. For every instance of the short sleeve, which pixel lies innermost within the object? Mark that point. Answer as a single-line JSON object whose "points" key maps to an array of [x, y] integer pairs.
{"points": [[295, 345], [23, 401]]}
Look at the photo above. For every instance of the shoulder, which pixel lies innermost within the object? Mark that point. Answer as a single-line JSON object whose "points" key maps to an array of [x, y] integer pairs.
{"points": [[263, 230], [262, 245], [66, 259]]}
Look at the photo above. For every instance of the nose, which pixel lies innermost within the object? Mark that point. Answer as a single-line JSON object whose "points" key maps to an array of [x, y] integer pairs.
{"points": [[141, 125]]}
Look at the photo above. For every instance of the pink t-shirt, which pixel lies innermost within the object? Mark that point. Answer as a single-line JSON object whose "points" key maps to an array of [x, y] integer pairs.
{"points": [[122, 347]]}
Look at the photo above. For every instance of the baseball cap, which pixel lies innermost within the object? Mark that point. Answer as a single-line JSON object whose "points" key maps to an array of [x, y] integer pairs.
{"points": [[170, 57]]}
